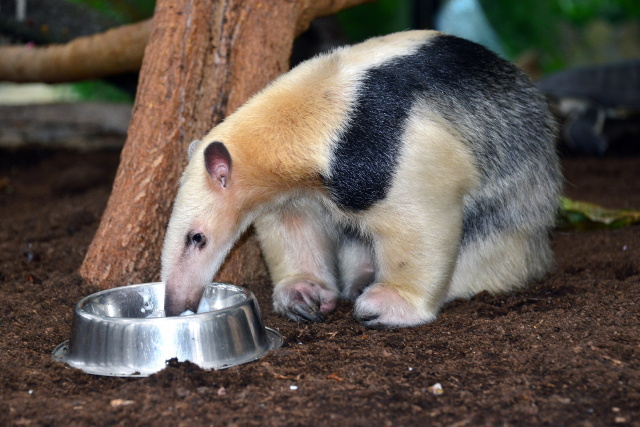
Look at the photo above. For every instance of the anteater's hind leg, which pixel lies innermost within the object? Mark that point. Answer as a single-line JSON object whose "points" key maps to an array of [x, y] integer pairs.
{"points": [[416, 229], [298, 243]]}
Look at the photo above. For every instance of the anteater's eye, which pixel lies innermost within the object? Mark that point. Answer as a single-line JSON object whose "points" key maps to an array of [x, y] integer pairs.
{"points": [[198, 240]]}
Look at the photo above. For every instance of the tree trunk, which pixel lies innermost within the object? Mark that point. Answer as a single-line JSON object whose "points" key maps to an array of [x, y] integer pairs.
{"points": [[204, 59]]}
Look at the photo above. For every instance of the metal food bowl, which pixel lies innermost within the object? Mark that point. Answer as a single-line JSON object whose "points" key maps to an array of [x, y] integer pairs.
{"points": [[124, 331]]}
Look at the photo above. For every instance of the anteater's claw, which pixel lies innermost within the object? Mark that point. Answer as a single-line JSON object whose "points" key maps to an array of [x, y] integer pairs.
{"points": [[307, 313]]}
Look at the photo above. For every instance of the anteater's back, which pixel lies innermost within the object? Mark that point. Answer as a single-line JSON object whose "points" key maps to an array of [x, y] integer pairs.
{"points": [[496, 112]]}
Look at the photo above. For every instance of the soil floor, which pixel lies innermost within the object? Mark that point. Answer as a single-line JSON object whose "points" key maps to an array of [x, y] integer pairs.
{"points": [[564, 351]]}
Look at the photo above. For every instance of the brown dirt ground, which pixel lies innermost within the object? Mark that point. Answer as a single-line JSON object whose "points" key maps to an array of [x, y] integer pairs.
{"points": [[565, 351]]}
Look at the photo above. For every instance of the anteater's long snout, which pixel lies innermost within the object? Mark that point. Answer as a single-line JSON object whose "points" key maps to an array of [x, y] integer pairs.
{"points": [[178, 298]]}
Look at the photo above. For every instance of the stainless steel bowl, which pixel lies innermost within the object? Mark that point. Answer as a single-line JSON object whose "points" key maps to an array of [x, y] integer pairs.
{"points": [[124, 332]]}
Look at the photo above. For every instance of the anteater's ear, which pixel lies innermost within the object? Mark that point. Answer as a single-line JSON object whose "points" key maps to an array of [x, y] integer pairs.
{"points": [[218, 162], [192, 148]]}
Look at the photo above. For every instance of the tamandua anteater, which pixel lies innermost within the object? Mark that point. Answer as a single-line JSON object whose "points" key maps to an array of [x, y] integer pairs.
{"points": [[400, 173]]}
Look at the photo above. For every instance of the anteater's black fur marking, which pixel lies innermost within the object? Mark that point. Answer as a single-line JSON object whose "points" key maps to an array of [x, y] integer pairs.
{"points": [[480, 94]]}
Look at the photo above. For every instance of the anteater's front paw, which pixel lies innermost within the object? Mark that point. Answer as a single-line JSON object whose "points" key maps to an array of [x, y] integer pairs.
{"points": [[304, 300], [382, 307]]}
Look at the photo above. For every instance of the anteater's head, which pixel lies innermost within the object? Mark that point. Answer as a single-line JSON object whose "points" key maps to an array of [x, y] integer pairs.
{"points": [[204, 224]]}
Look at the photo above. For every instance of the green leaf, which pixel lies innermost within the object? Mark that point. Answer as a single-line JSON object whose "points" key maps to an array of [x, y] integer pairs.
{"points": [[578, 215]]}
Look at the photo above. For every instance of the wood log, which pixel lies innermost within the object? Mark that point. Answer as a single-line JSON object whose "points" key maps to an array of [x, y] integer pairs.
{"points": [[115, 51], [204, 59], [74, 125]]}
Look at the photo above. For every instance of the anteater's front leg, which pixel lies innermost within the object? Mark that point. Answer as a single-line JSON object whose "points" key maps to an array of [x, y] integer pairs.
{"points": [[298, 244]]}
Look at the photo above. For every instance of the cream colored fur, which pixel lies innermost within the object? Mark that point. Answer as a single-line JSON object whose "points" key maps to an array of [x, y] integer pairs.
{"points": [[500, 263]]}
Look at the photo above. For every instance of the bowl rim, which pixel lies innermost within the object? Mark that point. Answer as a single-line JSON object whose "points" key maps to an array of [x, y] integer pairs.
{"points": [[177, 319]]}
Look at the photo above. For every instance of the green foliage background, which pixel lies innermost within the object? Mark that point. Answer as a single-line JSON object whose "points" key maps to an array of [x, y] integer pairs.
{"points": [[124, 11], [539, 24], [374, 19]]}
